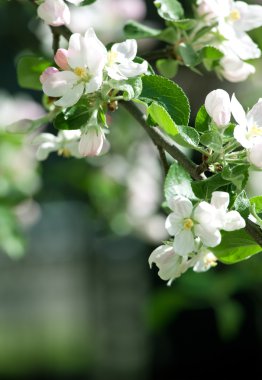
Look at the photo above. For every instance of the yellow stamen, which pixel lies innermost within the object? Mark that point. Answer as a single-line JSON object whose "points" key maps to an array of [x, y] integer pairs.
{"points": [[81, 72], [234, 15], [64, 152], [254, 131], [112, 56], [188, 224]]}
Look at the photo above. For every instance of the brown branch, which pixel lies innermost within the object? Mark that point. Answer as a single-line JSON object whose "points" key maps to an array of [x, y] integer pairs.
{"points": [[163, 159], [255, 231]]}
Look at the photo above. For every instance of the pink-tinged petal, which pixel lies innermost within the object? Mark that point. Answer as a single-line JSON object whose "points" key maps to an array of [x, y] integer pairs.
{"points": [[94, 84], [238, 111], [233, 221], [131, 69], [61, 59], [184, 243], [217, 105], [54, 12], [255, 154], [250, 16], [125, 50], [47, 73], [210, 237], [240, 134], [72, 96], [91, 142], [220, 199], [59, 83]]}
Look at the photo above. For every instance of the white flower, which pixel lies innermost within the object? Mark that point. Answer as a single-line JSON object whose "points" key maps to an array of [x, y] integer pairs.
{"points": [[203, 260], [86, 58], [65, 143], [255, 154], [226, 220], [185, 224], [234, 69], [55, 12], [170, 264], [93, 142], [120, 63], [249, 127], [218, 107]]}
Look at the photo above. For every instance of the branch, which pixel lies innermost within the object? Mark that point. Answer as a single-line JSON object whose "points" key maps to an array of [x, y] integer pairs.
{"points": [[163, 159], [160, 140], [255, 231]]}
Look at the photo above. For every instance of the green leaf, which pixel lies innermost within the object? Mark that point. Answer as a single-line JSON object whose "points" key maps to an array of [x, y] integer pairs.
{"points": [[242, 204], [187, 137], [29, 69], [184, 24], [238, 175], [168, 35], [170, 10], [167, 67], [203, 189], [257, 202], [178, 182], [213, 140], [87, 2], [210, 57], [202, 120], [162, 118], [169, 95], [131, 88], [236, 246], [188, 54], [72, 118], [133, 29]]}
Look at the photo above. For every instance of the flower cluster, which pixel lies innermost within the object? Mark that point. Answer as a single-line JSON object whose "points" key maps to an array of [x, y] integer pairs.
{"points": [[196, 230], [247, 132], [232, 19], [82, 70]]}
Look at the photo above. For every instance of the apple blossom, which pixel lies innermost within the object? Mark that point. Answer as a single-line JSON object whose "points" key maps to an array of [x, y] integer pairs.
{"points": [[170, 264], [65, 143], [93, 142], [234, 69], [86, 57], [249, 127], [218, 107], [55, 12], [203, 260], [255, 154], [120, 63]]}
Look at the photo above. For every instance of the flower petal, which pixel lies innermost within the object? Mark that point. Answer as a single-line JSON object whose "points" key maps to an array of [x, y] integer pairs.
{"points": [[255, 154], [184, 242], [59, 83], [54, 12], [173, 224], [125, 50], [205, 214], [44, 150], [210, 237], [250, 16], [233, 221], [254, 116], [240, 134], [71, 97], [131, 69], [238, 111], [217, 104], [181, 206], [220, 199], [94, 84]]}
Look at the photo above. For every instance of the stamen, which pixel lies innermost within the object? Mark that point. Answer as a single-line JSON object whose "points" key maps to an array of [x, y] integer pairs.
{"points": [[188, 224], [234, 15]]}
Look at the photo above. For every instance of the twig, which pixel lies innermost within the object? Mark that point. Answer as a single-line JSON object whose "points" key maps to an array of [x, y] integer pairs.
{"points": [[56, 39], [163, 159], [255, 231]]}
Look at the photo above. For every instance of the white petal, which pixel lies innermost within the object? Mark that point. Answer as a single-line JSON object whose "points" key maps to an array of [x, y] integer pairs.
{"points": [[234, 69], [184, 242], [255, 154], [244, 47], [217, 104], [182, 207], [125, 50], [233, 221], [254, 116], [113, 72], [173, 224], [210, 237], [71, 97], [238, 111], [91, 142], [54, 12], [240, 134], [57, 84], [204, 260], [44, 150], [44, 137], [94, 84], [250, 16], [205, 214], [220, 199], [132, 69]]}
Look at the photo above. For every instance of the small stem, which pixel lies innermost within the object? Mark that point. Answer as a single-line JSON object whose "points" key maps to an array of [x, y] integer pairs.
{"points": [[56, 39], [163, 159]]}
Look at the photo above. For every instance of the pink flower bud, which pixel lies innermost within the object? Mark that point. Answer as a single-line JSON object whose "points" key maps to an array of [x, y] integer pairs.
{"points": [[61, 59], [54, 12], [93, 142], [47, 73]]}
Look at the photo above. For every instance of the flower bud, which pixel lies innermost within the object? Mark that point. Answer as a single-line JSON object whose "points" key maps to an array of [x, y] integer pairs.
{"points": [[54, 12], [93, 142], [218, 107], [255, 154], [46, 74], [61, 59]]}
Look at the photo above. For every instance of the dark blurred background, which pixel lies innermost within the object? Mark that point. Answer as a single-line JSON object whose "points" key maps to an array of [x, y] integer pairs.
{"points": [[77, 298]]}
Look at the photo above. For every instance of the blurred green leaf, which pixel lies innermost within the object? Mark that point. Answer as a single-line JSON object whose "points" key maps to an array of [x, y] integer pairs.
{"points": [[202, 120], [170, 10], [29, 69], [188, 54], [167, 67], [242, 204], [72, 118], [238, 175], [257, 201], [134, 29]]}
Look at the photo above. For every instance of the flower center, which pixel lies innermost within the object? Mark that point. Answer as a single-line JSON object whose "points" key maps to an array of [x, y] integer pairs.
{"points": [[234, 15], [82, 73], [188, 224], [64, 152], [254, 131], [210, 259], [112, 57]]}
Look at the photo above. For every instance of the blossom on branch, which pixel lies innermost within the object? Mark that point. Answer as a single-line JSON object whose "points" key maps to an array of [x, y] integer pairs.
{"points": [[55, 12], [218, 107]]}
